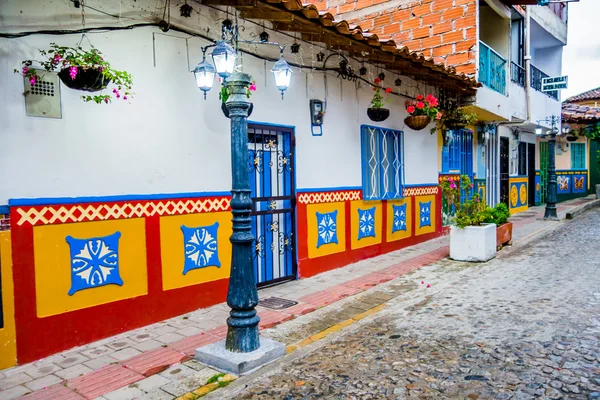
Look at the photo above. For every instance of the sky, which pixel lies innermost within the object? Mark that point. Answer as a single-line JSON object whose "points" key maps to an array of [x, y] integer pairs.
{"points": [[581, 56]]}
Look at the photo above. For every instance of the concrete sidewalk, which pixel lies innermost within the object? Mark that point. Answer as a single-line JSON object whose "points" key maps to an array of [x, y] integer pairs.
{"points": [[155, 362]]}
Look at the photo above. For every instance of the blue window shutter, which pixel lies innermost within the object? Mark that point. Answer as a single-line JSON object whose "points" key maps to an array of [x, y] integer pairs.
{"points": [[445, 159]]}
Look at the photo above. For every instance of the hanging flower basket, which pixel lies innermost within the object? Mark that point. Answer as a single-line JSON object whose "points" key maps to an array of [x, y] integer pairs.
{"points": [[572, 138], [417, 122], [226, 110], [378, 114], [87, 79]]}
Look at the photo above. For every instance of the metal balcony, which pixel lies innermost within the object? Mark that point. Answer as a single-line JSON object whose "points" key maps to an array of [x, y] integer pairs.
{"points": [[492, 69], [536, 82]]}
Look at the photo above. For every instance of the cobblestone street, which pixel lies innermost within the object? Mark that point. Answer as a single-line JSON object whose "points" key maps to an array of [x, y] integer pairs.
{"points": [[522, 326]]}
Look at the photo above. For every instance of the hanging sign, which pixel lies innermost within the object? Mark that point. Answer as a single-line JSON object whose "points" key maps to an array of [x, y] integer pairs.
{"points": [[554, 83]]}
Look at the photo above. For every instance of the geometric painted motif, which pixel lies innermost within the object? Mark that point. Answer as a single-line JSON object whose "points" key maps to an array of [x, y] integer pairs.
{"points": [[327, 225], [366, 223], [425, 214], [399, 223], [201, 247], [94, 262]]}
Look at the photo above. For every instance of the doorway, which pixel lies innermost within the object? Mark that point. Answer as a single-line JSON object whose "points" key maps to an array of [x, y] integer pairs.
{"points": [[504, 169], [531, 173], [273, 217]]}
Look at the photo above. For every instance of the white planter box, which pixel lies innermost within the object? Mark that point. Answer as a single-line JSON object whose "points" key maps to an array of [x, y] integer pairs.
{"points": [[473, 243]]}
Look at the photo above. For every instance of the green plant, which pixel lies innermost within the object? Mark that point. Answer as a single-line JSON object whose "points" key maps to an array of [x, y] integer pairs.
{"points": [[498, 215], [453, 117], [427, 105], [224, 93], [215, 378], [472, 210], [377, 101], [73, 58]]}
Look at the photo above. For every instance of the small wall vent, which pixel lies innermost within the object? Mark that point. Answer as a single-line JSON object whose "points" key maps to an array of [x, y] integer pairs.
{"points": [[43, 98]]}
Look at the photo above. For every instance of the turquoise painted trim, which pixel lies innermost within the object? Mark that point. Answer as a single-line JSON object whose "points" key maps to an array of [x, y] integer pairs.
{"points": [[333, 189], [110, 199], [4, 210], [271, 124]]}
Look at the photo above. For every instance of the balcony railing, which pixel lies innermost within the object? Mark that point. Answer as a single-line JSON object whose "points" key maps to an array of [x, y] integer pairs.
{"points": [[536, 82], [492, 68], [517, 74]]}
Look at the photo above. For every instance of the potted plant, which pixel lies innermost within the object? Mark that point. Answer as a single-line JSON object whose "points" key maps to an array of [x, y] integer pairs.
{"points": [[224, 95], [79, 69], [456, 118], [499, 216], [421, 111], [471, 238], [377, 112]]}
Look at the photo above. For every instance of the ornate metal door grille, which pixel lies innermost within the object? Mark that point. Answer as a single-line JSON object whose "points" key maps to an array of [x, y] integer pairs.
{"points": [[271, 169]]}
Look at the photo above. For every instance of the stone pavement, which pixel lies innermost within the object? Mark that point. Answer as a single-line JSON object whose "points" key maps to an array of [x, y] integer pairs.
{"points": [[154, 362]]}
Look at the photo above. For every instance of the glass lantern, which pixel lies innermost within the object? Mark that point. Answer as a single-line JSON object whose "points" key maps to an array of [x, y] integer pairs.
{"points": [[205, 76], [224, 57], [283, 75]]}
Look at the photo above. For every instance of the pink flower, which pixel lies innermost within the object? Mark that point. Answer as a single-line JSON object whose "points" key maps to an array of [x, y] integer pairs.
{"points": [[438, 116], [24, 70], [422, 282], [32, 80], [420, 105], [56, 59], [252, 87], [472, 185], [428, 286], [410, 109], [73, 72], [452, 185], [124, 97], [106, 100]]}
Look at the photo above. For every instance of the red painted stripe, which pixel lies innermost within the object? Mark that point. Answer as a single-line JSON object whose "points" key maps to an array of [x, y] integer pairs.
{"points": [[104, 380], [190, 344], [56, 392], [154, 361]]}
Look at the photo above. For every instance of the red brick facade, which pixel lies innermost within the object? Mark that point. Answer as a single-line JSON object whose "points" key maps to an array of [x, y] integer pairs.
{"points": [[443, 29]]}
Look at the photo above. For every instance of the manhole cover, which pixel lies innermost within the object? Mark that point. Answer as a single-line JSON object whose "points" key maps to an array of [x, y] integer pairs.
{"points": [[276, 303]]}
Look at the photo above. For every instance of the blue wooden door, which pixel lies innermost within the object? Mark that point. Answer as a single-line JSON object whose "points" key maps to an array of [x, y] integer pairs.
{"points": [[271, 170]]}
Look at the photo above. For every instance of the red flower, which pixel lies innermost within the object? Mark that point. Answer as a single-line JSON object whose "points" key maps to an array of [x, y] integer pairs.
{"points": [[388, 90], [428, 98], [420, 105], [376, 81], [410, 109], [419, 97], [374, 88]]}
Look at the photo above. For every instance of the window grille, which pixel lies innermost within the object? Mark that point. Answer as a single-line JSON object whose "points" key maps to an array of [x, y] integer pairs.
{"points": [[382, 163]]}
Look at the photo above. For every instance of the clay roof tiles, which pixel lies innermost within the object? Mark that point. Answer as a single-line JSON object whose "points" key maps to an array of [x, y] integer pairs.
{"points": [[575, 113], [589, 95]]}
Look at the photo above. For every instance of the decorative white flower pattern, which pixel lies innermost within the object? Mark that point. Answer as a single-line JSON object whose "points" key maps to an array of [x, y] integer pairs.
{"points": [[94, 262], [201, 247], [425, 214], [399, 223], [366, 223], [327, 225]]}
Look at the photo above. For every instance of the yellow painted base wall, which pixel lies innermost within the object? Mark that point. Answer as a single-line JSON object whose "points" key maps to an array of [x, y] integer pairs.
{"points": [[8, 343]]}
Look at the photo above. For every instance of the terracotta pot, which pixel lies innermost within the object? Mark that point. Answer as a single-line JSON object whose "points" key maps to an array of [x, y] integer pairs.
{"points": [[504, 234], [417, 122], [87, 79], [226, 110], [378, 114]]}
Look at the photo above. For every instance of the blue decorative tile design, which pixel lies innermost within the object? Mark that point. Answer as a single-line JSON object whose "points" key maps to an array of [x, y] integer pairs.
{"points": [[94, 262], [399, 223], [327, 224], [579, 184], [366, 223], [425, 213], [201, 247]]}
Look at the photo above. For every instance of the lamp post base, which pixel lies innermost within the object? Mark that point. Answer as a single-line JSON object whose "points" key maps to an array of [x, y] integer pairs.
{"points": [[217, 356]]}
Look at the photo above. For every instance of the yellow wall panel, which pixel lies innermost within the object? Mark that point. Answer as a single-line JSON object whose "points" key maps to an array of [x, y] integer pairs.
{"points": [[399, 234], [313, 229], [173, 250], [53, 265], [354, 221], [8, 344], [425, 226]]}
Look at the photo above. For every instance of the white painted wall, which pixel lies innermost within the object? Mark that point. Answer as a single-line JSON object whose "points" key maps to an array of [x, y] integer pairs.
{"points": [[549, 60], [550, 22], [169, 140]]}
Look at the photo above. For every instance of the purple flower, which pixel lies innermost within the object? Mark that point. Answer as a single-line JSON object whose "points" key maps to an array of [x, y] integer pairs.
{"points": [[124, 97], [73, 72], [24, 70], [252, 87], [106, 100], [452, 185], [472, 185], [32, 80], [56, 59]]}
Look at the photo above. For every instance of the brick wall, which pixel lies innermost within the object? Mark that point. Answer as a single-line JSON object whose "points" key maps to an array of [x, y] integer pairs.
{"points": [[443, 29]]}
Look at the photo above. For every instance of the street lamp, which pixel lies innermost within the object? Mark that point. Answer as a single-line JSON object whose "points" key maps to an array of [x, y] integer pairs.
{"points": [[224, 57], [283, 75], [566, 129], [550, 213], [205, 76]]}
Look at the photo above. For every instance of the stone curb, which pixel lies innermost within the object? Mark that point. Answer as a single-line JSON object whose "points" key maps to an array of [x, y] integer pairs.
{"points": [[582, 208]]}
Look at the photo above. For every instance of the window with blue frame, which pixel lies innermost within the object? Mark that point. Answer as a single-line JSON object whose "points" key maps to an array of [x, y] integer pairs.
{"points": [[382, 163], [451, 152], [578, 156]]}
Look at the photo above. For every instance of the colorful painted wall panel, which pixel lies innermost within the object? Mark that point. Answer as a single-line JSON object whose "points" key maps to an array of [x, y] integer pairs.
{"points": [[518, 194], [425, 214], [8, 345], [538, 188], [195, 248], [446, 211], [83, 265], [326, 229], [365, 223], [480, 187], [399, 219]]}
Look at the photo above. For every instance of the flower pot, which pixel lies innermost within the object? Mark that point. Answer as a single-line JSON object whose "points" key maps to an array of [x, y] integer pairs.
{"points": [[378, 114], [571, 138], [226, 110], [87, 79], [504, 234], [473, 243], [417, 122]]}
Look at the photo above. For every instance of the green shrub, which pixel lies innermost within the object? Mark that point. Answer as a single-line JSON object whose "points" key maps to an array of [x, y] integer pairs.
{"points": [[498, 215]]}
